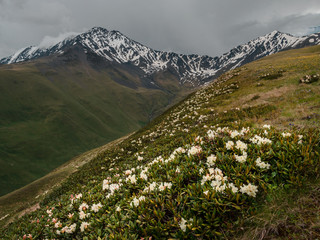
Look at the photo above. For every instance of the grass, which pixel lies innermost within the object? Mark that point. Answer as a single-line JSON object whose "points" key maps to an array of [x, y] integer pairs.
{"points": [[51, 112], [205, 169], [286, 214]]}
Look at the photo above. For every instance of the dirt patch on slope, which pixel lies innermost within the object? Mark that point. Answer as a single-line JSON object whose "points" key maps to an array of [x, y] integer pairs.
{"points": [[268, 97]]}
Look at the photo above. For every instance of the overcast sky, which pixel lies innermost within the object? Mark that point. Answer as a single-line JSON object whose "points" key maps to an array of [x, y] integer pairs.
{"points": [[208, 27]]}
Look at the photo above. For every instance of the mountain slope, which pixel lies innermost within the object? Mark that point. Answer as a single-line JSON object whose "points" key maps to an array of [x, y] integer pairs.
{"points": [[95, 87], [193, 69], [56, 107], [199, 168]]}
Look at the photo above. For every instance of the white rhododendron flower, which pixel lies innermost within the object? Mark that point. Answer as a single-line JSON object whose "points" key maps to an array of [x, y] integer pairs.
{"points": [[179, 150], [132, 179], [57, 224], [211, 134], [260, 140], [143, 176], [249, 189], [84, 226], [194, 150], [78, 196], [83, 207], [234, 134], [229, 145], [242, 158], [69, 229], [183, 225], [284, 134], [241, 145], [136, 201], [211, 160], [142, 198], [83, 215], [105, 184], [164, 186], [261, 164], [96, 207], [49, 212], [233, 188], [151, 187], [266, 126]]}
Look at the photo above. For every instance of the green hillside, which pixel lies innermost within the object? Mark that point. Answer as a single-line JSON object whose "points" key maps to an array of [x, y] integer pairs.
{"points": [[204, 169], [54, 109]]}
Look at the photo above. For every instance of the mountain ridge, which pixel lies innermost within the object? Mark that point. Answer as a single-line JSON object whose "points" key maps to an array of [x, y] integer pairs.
{"points": [[117, 48]]}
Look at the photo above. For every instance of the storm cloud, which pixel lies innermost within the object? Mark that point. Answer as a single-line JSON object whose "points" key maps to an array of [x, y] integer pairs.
{"points": [[208, 27]]}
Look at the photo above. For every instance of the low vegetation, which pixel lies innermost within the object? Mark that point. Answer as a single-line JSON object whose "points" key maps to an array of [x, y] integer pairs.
{"points": [[52, 111], [202, 170]]}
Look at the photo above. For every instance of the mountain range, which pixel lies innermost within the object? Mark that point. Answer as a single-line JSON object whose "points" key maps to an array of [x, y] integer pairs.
{"points": [[114, 47]]}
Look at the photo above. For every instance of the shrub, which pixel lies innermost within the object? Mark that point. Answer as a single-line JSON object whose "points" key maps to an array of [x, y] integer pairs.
{"points": [[309, 78]]}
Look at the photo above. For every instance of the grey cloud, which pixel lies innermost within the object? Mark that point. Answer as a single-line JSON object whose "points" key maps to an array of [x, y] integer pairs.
{"points": [[48, 41], [208, 27]]}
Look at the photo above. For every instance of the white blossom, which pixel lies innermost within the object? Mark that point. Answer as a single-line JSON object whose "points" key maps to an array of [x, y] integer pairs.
{"points": [[164, 186], [241, 145], [132, 179], [84, 226], [183, 225], [260, 140], [211, 160], [96, 207], [242, 158], [234, 134], [249, 189], [194, 150], [284, 134], [69, 229], [83, 207], [261, 164], [229, 145], [233, 188]]}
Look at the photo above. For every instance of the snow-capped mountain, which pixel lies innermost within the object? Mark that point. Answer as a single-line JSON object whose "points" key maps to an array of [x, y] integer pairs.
{"points": [[116, 48]]}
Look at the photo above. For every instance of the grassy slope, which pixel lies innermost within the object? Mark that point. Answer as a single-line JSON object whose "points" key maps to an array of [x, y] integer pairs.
{"points": [[27, 198], [49, 114], [281, 102], [294, 101]]}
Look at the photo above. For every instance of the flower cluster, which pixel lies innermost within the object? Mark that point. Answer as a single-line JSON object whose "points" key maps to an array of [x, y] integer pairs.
{"points": [[310, 78]]}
